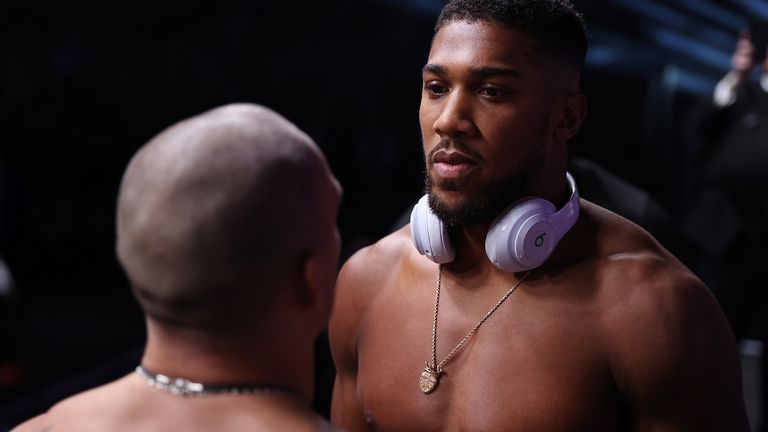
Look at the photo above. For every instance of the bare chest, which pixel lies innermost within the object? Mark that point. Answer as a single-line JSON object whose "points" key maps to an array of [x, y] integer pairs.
{"points": [[534, 365]]}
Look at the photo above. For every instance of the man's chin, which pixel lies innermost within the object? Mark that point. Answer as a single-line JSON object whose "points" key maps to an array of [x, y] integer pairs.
{"points": [[456, 209], [446, 185], [470, 206], [448, 197]]}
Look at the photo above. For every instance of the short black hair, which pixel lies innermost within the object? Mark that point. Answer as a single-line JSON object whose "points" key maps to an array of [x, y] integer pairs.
{"points": [[554, 25]]}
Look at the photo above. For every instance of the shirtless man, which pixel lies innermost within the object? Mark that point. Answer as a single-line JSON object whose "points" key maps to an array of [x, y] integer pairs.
{"points": [[610, 333], [235, 279]]}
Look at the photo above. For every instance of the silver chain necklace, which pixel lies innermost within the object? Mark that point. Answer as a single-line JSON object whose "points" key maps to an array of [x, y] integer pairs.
{"points": [[184, 387]]}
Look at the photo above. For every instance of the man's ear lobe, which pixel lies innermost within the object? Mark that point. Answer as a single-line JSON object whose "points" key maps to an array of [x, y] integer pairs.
{"points": [[572, 114]]}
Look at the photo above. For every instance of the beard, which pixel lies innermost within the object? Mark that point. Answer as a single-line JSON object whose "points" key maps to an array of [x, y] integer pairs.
{"points": [[488, 200]]}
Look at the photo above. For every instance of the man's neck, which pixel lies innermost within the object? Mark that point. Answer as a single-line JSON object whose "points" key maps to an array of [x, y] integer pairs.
{"points": [[469, 241], [197, 357]]}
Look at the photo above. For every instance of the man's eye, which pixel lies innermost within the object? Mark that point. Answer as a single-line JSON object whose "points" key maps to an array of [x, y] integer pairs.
{"points": [[435, 89], [491, 91]]}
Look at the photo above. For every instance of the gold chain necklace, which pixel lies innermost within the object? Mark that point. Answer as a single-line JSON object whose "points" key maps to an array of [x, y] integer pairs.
{"points": [[430, 376]]}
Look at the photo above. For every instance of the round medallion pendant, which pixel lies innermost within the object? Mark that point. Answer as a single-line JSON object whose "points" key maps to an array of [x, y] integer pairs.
{"points": [[428, 380]]}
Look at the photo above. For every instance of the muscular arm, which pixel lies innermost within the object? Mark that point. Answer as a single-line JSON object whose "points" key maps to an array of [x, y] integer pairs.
{"points": [[673, 354]]}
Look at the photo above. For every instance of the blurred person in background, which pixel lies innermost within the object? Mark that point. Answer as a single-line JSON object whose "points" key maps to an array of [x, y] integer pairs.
{"points": [[727, 221]]}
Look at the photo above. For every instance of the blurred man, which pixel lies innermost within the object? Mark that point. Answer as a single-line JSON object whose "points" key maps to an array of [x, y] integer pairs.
{"points": [[745, 59], [226, 229], [728, 218], [533, 310]]}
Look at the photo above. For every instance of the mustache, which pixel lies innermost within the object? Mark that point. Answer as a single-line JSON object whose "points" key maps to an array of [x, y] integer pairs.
{"points": [[447, 143]]}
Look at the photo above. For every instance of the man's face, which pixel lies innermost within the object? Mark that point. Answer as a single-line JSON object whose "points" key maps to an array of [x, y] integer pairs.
{"points": [[486, 120]]}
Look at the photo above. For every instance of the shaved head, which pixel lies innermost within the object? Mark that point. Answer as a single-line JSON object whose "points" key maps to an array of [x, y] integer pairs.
{"points": [[216, 214]]}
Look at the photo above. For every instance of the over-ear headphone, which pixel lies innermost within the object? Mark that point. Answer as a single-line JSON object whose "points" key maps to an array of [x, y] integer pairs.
{"points": [[521, 238]]}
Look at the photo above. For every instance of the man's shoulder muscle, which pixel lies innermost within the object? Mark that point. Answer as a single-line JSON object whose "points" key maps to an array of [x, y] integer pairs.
{"points": [[367, 271], [379, 258], [362, 277], [93, 404], [361, 280], [41, 423], [669, 346]]}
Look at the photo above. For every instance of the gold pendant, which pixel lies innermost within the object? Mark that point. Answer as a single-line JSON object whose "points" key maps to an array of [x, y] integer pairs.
{"points": [[429, 379]]}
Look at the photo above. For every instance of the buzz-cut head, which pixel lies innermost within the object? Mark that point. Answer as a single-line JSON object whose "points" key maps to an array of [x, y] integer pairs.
{"points": [[554, 26]]}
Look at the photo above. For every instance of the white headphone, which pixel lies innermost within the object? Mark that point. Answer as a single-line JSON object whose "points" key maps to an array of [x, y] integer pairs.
{"points": [[521, 238]]}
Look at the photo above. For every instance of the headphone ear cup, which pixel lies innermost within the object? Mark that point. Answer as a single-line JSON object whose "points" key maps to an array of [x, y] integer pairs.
{"points": [[429, 234], [522, 238]]}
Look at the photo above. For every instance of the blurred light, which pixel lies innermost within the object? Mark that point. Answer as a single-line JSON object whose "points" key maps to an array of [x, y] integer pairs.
{"points": [[757, 7], [423, 6], [677, 79], [752, 347], [688, 24], [657, 11], [692, 48], [605, 56], [608, 48], [6, 281], [716, 14]]}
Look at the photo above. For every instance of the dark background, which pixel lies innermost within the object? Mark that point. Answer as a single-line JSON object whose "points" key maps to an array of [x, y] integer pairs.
{"points": [[83, 85]]}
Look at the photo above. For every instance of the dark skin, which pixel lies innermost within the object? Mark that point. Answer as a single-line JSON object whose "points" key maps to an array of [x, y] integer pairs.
{"points": [[612, 333]]}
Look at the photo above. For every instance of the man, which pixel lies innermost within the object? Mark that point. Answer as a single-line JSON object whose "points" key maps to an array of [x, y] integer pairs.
{"points": [[733, 195], [745, 59], [610, 333], [226, 229]]}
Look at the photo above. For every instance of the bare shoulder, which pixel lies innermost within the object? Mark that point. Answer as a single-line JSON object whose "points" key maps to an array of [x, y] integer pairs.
{"points": [[652, 302], [669, 347], [364, 274], [361, 279], [365, 278], [642, 286], [377, 260], [69, 413], [40, 423], [636, 274]]}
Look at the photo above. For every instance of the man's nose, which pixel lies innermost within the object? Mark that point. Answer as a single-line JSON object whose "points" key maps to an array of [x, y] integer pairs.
{"points": [[455, 117]]}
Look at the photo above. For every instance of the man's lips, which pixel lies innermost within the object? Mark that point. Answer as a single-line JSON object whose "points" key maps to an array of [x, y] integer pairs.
{"points": [[452, 164], [453, 157]]}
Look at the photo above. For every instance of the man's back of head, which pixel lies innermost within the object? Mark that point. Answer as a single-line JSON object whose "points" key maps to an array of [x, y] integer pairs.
{"points": [[212, 216], [226, 230]]}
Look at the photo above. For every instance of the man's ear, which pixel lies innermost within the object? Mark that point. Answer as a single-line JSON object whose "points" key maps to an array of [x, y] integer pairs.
{"points": [[313, 296], [307, 289], [572, 113]]}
